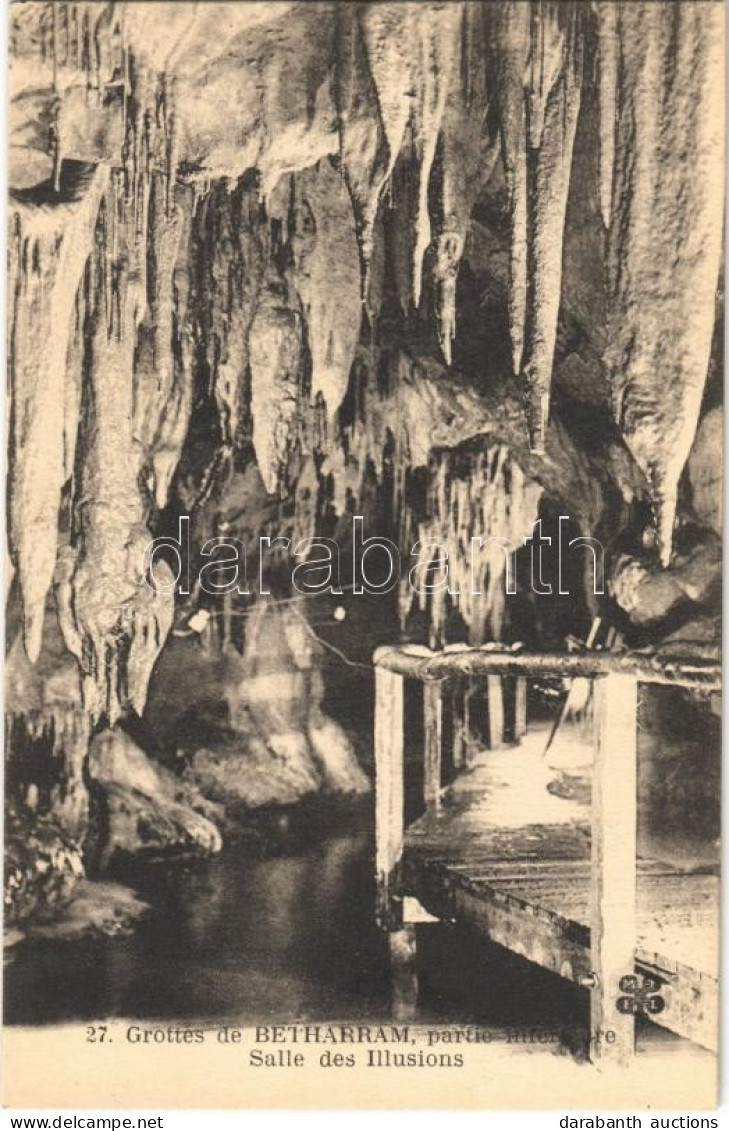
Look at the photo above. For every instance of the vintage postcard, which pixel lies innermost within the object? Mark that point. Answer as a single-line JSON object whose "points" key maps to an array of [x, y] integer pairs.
{"points": [[364, 554]]}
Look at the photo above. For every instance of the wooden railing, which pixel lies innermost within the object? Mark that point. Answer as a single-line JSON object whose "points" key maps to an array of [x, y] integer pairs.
{"points": [[614, 788]]}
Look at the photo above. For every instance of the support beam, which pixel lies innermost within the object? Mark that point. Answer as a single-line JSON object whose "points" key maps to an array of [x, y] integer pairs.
{"points": [[613, 888], [520, 707], [389, 796], [433, 733]]}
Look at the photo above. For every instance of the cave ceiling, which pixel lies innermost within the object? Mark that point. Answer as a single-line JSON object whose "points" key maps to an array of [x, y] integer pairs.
{"points": [[507, 215]]}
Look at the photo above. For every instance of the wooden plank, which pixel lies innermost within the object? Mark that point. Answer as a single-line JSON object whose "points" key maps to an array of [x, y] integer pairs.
{"points": [[495, 703], [522, 929], [613, 926], [692, 996], [433, 754], [389, 796], [414, 912], [520, 707]]}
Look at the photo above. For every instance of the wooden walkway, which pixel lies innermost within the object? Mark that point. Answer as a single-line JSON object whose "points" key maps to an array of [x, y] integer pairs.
{"points": [[534, 858]]}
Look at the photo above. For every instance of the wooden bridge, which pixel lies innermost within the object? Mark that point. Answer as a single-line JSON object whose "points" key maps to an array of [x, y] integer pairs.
{"points": [[556, 880]]}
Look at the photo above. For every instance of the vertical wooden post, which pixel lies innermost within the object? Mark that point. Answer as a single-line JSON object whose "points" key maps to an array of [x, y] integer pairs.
{"points": [[433, 732], [227, 623], [467, 733], [389, 795], [403, 965], [613, 888], [458, 707], [207, 636], [495, 702], [520, 707]]}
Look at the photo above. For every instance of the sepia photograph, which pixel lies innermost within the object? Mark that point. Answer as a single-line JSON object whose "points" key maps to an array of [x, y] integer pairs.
{"points": [[364, 554]]}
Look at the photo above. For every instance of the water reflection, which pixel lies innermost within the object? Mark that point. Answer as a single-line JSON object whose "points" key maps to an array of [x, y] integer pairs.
{"points": [[244, 936], [288, 935]]}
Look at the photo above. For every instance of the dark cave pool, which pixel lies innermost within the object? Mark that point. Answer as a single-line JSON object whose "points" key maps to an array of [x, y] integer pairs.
{"points": [[286, 935]]}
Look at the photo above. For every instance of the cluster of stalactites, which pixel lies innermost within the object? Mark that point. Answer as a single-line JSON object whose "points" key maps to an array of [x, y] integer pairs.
{"points": [[538, 64], [416, 92], [421, 80], [100, 390], [662, 194], [480, 508]]}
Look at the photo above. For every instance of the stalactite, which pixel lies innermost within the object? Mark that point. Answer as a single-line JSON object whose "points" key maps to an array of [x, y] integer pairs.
{"points": [[274, 346], [163, 376], [400, 235], [363, 146], [665, 236], [539, 63], [113, 619], [511, 46], [326, 276], [608, 52], [388, 32], [49, 245], [232, 244], [74, 378], [153, 385], [467, 157], [436, 39]]}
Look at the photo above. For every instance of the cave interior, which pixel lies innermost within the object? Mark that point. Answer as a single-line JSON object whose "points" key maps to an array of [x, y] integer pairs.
{"points": [[453, 269]]}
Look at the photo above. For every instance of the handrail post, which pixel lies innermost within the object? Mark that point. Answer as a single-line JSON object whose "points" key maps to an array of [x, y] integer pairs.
{"points": [[389, 795], [520, 707], [433, 754], [458, 709], [495, 702], [613, 887]]}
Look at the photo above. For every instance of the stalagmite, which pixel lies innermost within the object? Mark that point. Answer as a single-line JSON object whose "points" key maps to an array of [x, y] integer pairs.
{"points": [[326, 276], [665, 235], [539, 62]]}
